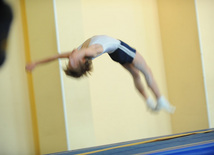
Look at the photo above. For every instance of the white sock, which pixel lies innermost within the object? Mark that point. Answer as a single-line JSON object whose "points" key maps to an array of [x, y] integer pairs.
{"points": [[162, 103], [151, 104]]}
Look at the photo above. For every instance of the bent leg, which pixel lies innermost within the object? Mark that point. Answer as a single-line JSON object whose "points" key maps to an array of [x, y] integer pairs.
{"points": [[138, 84], [137, 80], [141, 65]]}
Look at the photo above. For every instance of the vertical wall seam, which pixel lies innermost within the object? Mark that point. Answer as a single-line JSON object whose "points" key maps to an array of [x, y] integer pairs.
{"points": [[61, 76], [30, 78], [202, 63]]}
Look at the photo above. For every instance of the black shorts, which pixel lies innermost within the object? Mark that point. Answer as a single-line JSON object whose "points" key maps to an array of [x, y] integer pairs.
{"points": [[124, 53]]}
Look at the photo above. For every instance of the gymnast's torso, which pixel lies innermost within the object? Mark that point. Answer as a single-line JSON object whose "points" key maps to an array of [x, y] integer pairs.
{"points": [[109, 44], [117, 49]]}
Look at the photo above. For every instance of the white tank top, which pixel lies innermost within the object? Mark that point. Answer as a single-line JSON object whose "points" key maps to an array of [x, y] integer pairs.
{"points": [[109, 44]]}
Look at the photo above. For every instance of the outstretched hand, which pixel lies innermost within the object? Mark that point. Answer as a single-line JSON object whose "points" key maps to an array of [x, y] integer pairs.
{"points": [[30, 67]]}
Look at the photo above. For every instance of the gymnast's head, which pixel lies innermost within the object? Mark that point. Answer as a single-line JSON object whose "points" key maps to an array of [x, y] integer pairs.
{"points": [[79, 69]]}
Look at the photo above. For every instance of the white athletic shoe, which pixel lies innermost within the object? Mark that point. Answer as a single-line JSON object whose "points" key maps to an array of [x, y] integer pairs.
{"points": [[162, 103], [151, 104]]}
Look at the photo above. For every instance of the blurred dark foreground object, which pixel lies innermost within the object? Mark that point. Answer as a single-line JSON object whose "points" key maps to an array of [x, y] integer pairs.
{"points": [[6, 17]]}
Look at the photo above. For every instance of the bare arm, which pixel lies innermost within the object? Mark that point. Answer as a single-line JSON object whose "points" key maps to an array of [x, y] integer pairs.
{"points": [[32, 65]]}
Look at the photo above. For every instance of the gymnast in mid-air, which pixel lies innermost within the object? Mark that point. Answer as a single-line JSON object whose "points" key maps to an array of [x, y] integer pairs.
{"points": [[80, 64]]}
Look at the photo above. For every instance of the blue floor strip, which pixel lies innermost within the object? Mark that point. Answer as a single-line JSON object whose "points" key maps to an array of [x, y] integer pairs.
{"points": [[197, 142]]}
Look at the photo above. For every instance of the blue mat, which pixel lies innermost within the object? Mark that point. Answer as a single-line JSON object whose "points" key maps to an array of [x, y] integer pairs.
{"points": [[197, 143], [206, 148]]}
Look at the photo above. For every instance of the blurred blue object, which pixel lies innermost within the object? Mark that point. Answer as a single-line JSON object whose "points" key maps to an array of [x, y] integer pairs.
{"points": [[6, 17]]}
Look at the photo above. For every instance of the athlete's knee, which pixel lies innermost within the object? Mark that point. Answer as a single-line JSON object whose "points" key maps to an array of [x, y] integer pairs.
{"points": [[138, 83], [135, 75], [149, 78], [149, 81]]}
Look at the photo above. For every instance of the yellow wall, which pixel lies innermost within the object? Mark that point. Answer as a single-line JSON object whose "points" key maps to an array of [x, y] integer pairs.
{"points": [[205, 10], [76, 92], [16, 130], [100, 109], [182, 57], [46, 79], [106, 104], [118, 109]]}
